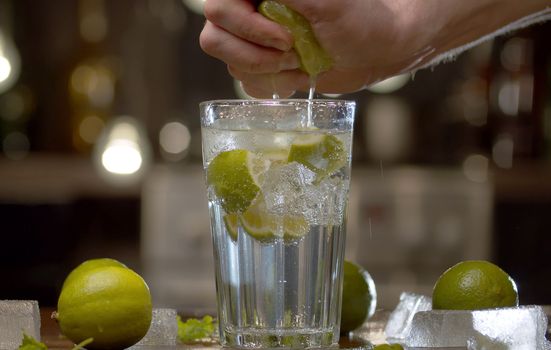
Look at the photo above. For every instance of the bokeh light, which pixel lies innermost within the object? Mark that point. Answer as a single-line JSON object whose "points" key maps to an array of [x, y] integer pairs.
{"points": [[122, 151], [122, 157], [174, 139], [195, 5], [5, 68], [475, 168], [16, 145], [503, 150], [90, 127], [96, 82], [10, 62]]}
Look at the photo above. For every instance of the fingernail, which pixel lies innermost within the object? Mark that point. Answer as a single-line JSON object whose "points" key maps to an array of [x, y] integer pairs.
{"points": [[289, 61], [280, 44]]}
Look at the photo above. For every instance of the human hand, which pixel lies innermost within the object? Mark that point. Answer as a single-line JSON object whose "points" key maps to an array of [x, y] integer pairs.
{"points": [[258, 51], [369, 40]]}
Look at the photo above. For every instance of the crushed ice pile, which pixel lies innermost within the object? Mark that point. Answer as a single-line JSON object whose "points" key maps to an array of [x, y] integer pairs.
{"points": [[414, 324], [18, 317]]}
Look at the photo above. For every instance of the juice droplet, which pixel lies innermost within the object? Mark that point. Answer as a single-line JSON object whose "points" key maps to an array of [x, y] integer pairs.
{"points": [[275, 95], [312, 90], [311, 93]]}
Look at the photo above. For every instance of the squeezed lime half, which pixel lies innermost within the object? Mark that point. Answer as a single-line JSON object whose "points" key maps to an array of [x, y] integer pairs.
{"points": [[313, 58]]}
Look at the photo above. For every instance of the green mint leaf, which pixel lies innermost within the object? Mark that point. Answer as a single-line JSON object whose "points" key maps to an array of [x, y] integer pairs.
{"points": [[195, 330], [29, 343]]}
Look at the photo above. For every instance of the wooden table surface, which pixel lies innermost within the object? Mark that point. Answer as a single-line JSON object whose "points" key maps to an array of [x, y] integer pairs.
{"points": [[372, 330], [51, 336]]}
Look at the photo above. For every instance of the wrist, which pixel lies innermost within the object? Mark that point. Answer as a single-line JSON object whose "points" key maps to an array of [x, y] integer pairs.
{"points": [[417, 25]]}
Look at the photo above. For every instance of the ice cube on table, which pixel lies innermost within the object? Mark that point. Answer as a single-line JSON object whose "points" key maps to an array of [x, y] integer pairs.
{"points": [[163, 330], [18, 317], [515, 328], [399, 321]]}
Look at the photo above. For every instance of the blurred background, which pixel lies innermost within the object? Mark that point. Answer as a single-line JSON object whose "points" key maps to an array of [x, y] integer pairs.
{"points": [[100, 155]]}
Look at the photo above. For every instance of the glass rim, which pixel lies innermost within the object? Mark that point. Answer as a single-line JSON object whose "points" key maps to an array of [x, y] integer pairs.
{"points": [[277, 102]]}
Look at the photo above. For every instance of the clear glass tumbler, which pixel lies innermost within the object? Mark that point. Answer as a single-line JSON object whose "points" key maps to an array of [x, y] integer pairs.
{"points": [[278, 174]]}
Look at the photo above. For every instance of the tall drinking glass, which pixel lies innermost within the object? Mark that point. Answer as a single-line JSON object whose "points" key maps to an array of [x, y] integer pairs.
{"points": [[278, 174]]}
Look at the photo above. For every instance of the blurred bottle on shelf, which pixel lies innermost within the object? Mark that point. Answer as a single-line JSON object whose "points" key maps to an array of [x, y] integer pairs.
{"points": [[92, 80], [547, 111], [518, 96]]}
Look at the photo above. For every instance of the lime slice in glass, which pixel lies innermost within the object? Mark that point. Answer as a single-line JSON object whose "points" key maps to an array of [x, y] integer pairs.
{"points": [[323, 154], [232, 225], [266, 227], [235, 176]]}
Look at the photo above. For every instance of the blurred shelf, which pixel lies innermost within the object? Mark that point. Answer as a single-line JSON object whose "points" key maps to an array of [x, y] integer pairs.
{"points": [[526, 180], [54, 178]]}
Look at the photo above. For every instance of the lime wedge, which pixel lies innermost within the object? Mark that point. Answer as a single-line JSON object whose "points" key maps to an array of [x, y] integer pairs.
{"points": [[266, 227], [323, 154], [294, 228], [275, 156], [235, 176], [232, 225], [258, 223], [313, 58]]}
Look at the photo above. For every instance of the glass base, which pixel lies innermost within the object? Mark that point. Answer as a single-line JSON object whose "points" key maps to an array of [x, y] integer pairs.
{"points": [[254, 338]]}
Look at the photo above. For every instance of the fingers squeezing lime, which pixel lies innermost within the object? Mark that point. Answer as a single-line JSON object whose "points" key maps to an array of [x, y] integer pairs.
{"points": [[313, 58]]}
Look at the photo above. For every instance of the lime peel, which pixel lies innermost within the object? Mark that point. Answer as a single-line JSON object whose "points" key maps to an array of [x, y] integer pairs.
{"points": [[111, 304], [313, 58], [474, 285], [321, 153], [235, 176], [259, 223], [359, 297]]}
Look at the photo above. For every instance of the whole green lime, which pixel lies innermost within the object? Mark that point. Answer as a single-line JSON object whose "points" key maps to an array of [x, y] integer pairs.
{"points": [[109, 303], [474, 285], [359, 297], [89, 265]]}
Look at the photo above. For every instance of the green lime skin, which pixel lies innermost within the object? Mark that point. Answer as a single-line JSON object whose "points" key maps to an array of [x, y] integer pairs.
{"points": [[313, 58], [474, 285], [359, 297], [110, 304], [90, 265], [230, 176]]}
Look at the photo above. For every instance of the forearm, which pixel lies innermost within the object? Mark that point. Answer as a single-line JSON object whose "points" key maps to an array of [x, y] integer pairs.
{"points": [[455, 26]]}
